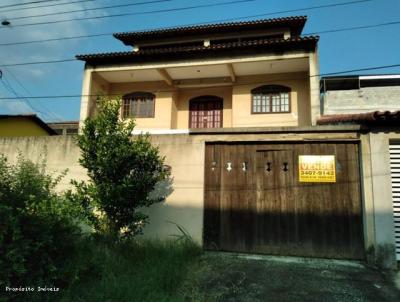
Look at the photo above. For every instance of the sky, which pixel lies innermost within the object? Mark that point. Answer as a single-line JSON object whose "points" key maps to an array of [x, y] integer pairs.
{"points": [[338, 51]]}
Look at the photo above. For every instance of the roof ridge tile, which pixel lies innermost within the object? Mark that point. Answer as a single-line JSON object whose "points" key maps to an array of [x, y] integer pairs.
{"points": [[207, 26]]}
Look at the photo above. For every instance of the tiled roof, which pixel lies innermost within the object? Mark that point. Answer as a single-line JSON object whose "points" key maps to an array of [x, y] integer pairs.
{"points": [[257, 44], [369, 118], [296, 22]]}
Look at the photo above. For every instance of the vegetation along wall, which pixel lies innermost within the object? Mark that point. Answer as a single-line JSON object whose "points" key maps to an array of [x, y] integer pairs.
{"points": [[185, 154]]}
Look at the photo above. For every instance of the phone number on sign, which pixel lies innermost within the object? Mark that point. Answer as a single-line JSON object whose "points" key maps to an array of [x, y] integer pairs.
{"points": [[317, 173]]}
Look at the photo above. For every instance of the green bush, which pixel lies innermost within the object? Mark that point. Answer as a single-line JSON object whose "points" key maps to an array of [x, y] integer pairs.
{"points": [[38, 228], [126, 173]]}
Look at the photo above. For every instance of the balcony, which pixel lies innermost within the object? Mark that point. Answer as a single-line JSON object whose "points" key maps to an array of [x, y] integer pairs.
{"points": [[207, 94]]}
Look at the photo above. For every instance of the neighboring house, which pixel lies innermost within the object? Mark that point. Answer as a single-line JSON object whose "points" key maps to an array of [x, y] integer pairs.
{"points": [[243, 74], [360, 94], [23, 125], [65, 128], [372, 101]]}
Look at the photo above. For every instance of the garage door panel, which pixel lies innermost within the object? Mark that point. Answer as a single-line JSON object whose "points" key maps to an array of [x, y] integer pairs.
{"points": [[212, 203], [263, 208], [235, 200], [274, 174]]}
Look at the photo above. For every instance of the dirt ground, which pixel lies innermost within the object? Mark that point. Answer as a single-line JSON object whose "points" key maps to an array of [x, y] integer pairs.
{"points": [[234, 277]]}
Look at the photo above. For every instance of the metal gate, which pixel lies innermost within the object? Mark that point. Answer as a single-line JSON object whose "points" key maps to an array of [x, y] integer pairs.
{"points": [[395, 175], [255, 203]]}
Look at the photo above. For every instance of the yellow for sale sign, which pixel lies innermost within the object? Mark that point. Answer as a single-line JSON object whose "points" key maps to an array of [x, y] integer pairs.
{"points": [[317, 168]]}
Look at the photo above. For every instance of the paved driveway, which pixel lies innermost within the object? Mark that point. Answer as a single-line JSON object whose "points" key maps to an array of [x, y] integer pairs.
{"points": [[233, 277]]}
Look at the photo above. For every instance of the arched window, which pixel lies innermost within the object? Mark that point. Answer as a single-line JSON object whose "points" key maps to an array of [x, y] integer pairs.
{"points": [[138, 104], [270, 99]]}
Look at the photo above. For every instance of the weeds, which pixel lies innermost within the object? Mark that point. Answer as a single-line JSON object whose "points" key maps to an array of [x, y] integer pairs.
{"points": [[136, 270]]}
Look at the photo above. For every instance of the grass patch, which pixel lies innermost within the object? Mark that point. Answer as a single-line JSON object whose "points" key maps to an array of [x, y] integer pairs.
{"points": [[140, 270], [216, 277]]}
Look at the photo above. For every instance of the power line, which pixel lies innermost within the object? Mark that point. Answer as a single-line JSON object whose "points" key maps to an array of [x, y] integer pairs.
{"points": [[17, 97], [39, 62], [51, 114], [214, 21], [244, 84], [21, 99], [89, 9], [73, 59], [110, 34], [46, 5], [350, 28], [192, 7], [26, 3], [135, 13], [18, 81], [271, 13], [56, 39], [360, 69]]}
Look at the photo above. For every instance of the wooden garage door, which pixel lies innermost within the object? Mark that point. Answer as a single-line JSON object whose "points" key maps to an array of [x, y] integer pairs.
{"points": [[255, 203]]}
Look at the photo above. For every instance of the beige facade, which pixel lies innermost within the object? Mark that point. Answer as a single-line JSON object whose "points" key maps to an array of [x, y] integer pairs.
{"points": [[226, 60], [172, 101], [186, 155], [299, 102]]}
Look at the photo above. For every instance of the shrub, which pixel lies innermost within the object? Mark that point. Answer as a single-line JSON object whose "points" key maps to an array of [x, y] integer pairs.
{"points": [[123, 171], [38, 227]]}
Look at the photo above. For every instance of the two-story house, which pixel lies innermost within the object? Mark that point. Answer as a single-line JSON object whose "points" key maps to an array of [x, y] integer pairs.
{"points": [[246, 74], [233, 107]]}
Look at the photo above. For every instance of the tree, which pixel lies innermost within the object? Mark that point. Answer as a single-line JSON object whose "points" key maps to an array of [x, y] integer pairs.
{"points": [[123, 171]]}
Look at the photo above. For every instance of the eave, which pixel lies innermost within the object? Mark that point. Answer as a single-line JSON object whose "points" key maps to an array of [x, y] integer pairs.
{"points": [[234, 49], [296, 25]]}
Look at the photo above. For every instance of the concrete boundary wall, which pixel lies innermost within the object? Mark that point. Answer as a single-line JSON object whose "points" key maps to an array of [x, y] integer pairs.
{"points": [[185, 154], [382, 219]]}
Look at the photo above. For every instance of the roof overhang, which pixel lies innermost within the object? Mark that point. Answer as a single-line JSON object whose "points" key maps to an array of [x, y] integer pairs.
{"points": [[213, 73], [223, 50], [295, 24], [375, 118]]}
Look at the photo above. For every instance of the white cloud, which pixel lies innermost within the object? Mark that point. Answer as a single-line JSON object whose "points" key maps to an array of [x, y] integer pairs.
{"points": [[39, 79], [14, 107], [43, 51]]}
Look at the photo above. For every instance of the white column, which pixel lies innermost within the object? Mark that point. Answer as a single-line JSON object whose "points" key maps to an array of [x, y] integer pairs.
{"points": [[314, 87], [85, 99], [383, 203]]}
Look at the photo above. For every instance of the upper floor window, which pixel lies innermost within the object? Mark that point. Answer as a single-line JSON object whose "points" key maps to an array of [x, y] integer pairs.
{"points": [[270, 99], [138, 104]]}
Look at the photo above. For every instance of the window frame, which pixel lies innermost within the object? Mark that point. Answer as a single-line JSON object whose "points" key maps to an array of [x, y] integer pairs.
{"points": [[206, 99], [270, 91], [136, 97]]}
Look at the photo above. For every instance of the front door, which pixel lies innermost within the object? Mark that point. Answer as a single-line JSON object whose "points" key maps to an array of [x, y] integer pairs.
{"points": [[205, 112]]}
